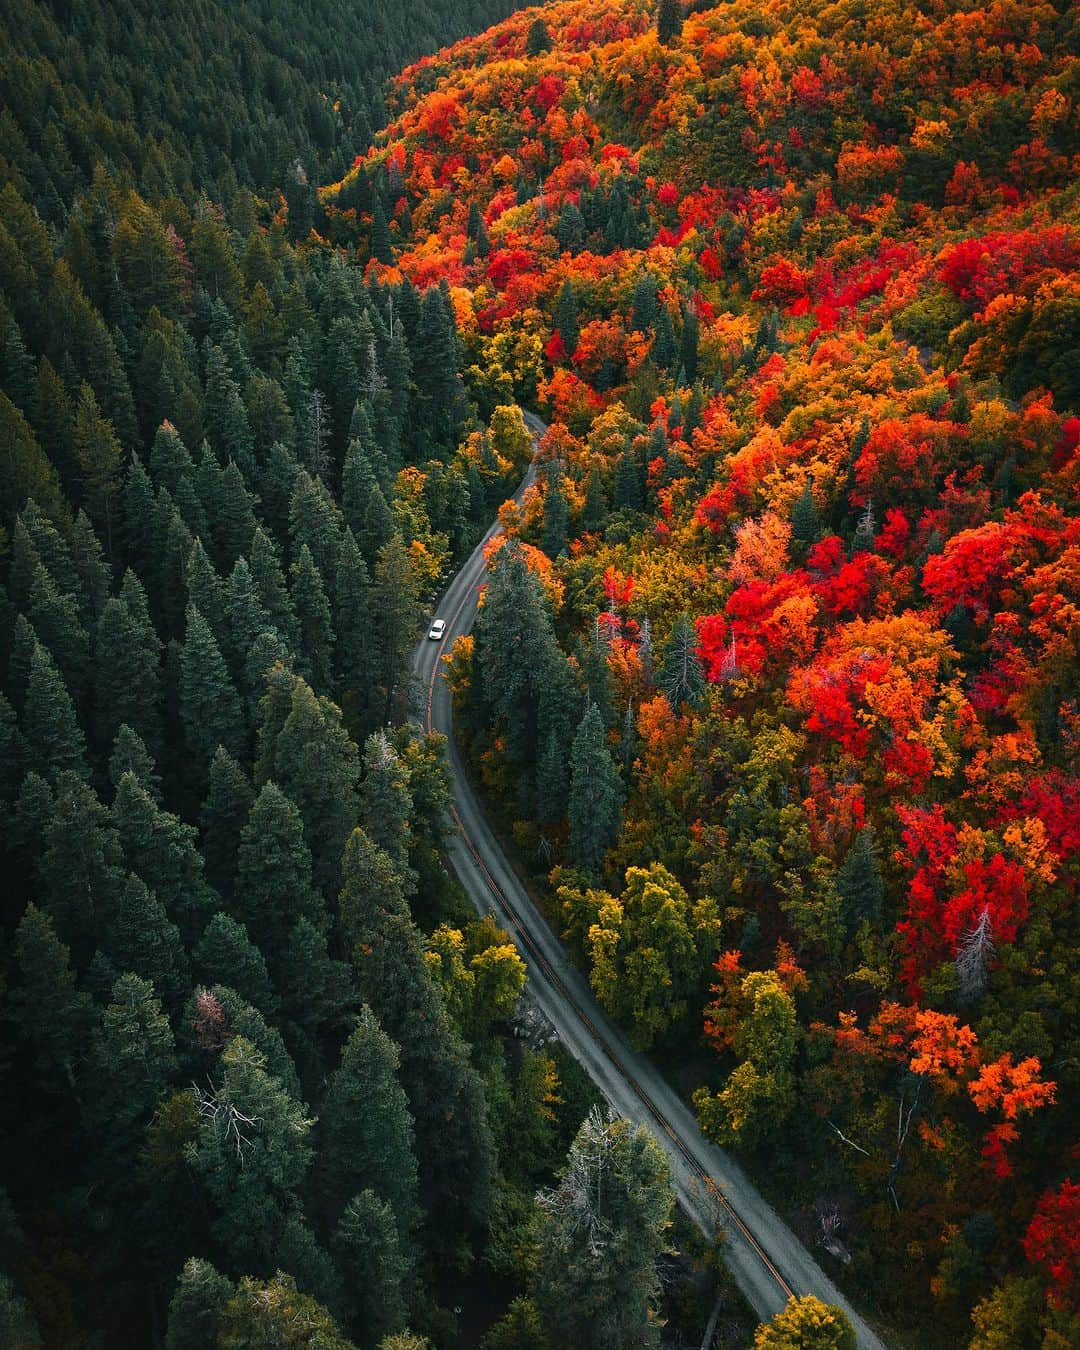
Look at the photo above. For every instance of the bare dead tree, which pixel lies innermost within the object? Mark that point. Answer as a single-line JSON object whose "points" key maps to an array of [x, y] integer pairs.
{"points": [[373, 380], [973, 957], [226, 1118], [578, 1200]]}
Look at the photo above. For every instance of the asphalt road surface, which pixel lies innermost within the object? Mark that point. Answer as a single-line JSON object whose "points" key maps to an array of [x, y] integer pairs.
{"points": [[767, 1260]]}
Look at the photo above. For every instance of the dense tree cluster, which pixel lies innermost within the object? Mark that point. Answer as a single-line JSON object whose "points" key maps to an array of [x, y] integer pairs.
{"points": [[775, 681]]}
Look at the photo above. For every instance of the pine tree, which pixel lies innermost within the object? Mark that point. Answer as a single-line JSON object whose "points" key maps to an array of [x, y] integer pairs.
{"points": [[454, 1147], [859, 882], [688, 349], [225, 810], [130, 755], [395, 615], [246, 616], [369, 1254], [600, 1232], [316, 989], [210, 709], [127, 683], [80, 866], [226, 955], [273, 880], [56, 621], [169, 461], [251, 1156], [551, 784], [98, 455], [366, 1130], [53, 739], [538, 39], [386, 802], [197, 1307], [140, 937], [308, 596], [132, 1059], [52, 1013], [595, 800], [664, 350], [626, 494], [595, 510], [805, 522], [269, 582], [555, 514], [566, 318], [380, 246], [162, 850], [352, 621], [233, 519], [682, 680]]}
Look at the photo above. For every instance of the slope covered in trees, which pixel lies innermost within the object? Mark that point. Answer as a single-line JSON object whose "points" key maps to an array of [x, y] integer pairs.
{"points": [[775, 679], [256, 1085]]}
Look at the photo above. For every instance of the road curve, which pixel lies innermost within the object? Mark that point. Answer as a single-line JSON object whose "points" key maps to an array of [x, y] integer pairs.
{"points": [[766, 1259]]}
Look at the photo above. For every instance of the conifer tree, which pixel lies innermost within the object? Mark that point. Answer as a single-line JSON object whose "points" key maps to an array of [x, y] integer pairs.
{"points": [[127, 684], [555, 515], [273, 881], [132, 1059], [80, 867], [366, 1130], [210, 709], [253, 1183], [161, 849], [538, 39], [53, 738], [352, 620], [140, 937], [316, 765], [600, 1231], [225, 810], [386, 803], [52, 1013], [226, 955], [269, 582], [566, 318], [682, 680], [130, 755], [308, 596], [805, 522], [859, 882], [197, 1307], [395, 617], [98, 455], [595, 801]]}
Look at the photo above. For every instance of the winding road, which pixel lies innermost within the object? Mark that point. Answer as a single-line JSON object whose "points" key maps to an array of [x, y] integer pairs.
{"points": [[767, 1260]]}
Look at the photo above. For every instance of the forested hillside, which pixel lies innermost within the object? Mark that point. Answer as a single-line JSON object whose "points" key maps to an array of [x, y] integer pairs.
{"points": [[253, 1055], [775, 683]]}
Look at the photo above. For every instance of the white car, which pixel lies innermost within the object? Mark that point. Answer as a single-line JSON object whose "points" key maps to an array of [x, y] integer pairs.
{"points": [[437, 629]]}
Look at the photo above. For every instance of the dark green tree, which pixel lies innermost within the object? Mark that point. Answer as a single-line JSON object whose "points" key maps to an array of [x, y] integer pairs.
{"points": [[197, 1307], [366, 1132], [308, 596], [210, 708], [226, 955], [682, 678], [50, 1010], [600, 1232], [566, 318], [53, 739], [368, 1252], [595, 800], [224, 813], [859, 882], [395, 617], [273, 880]]}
